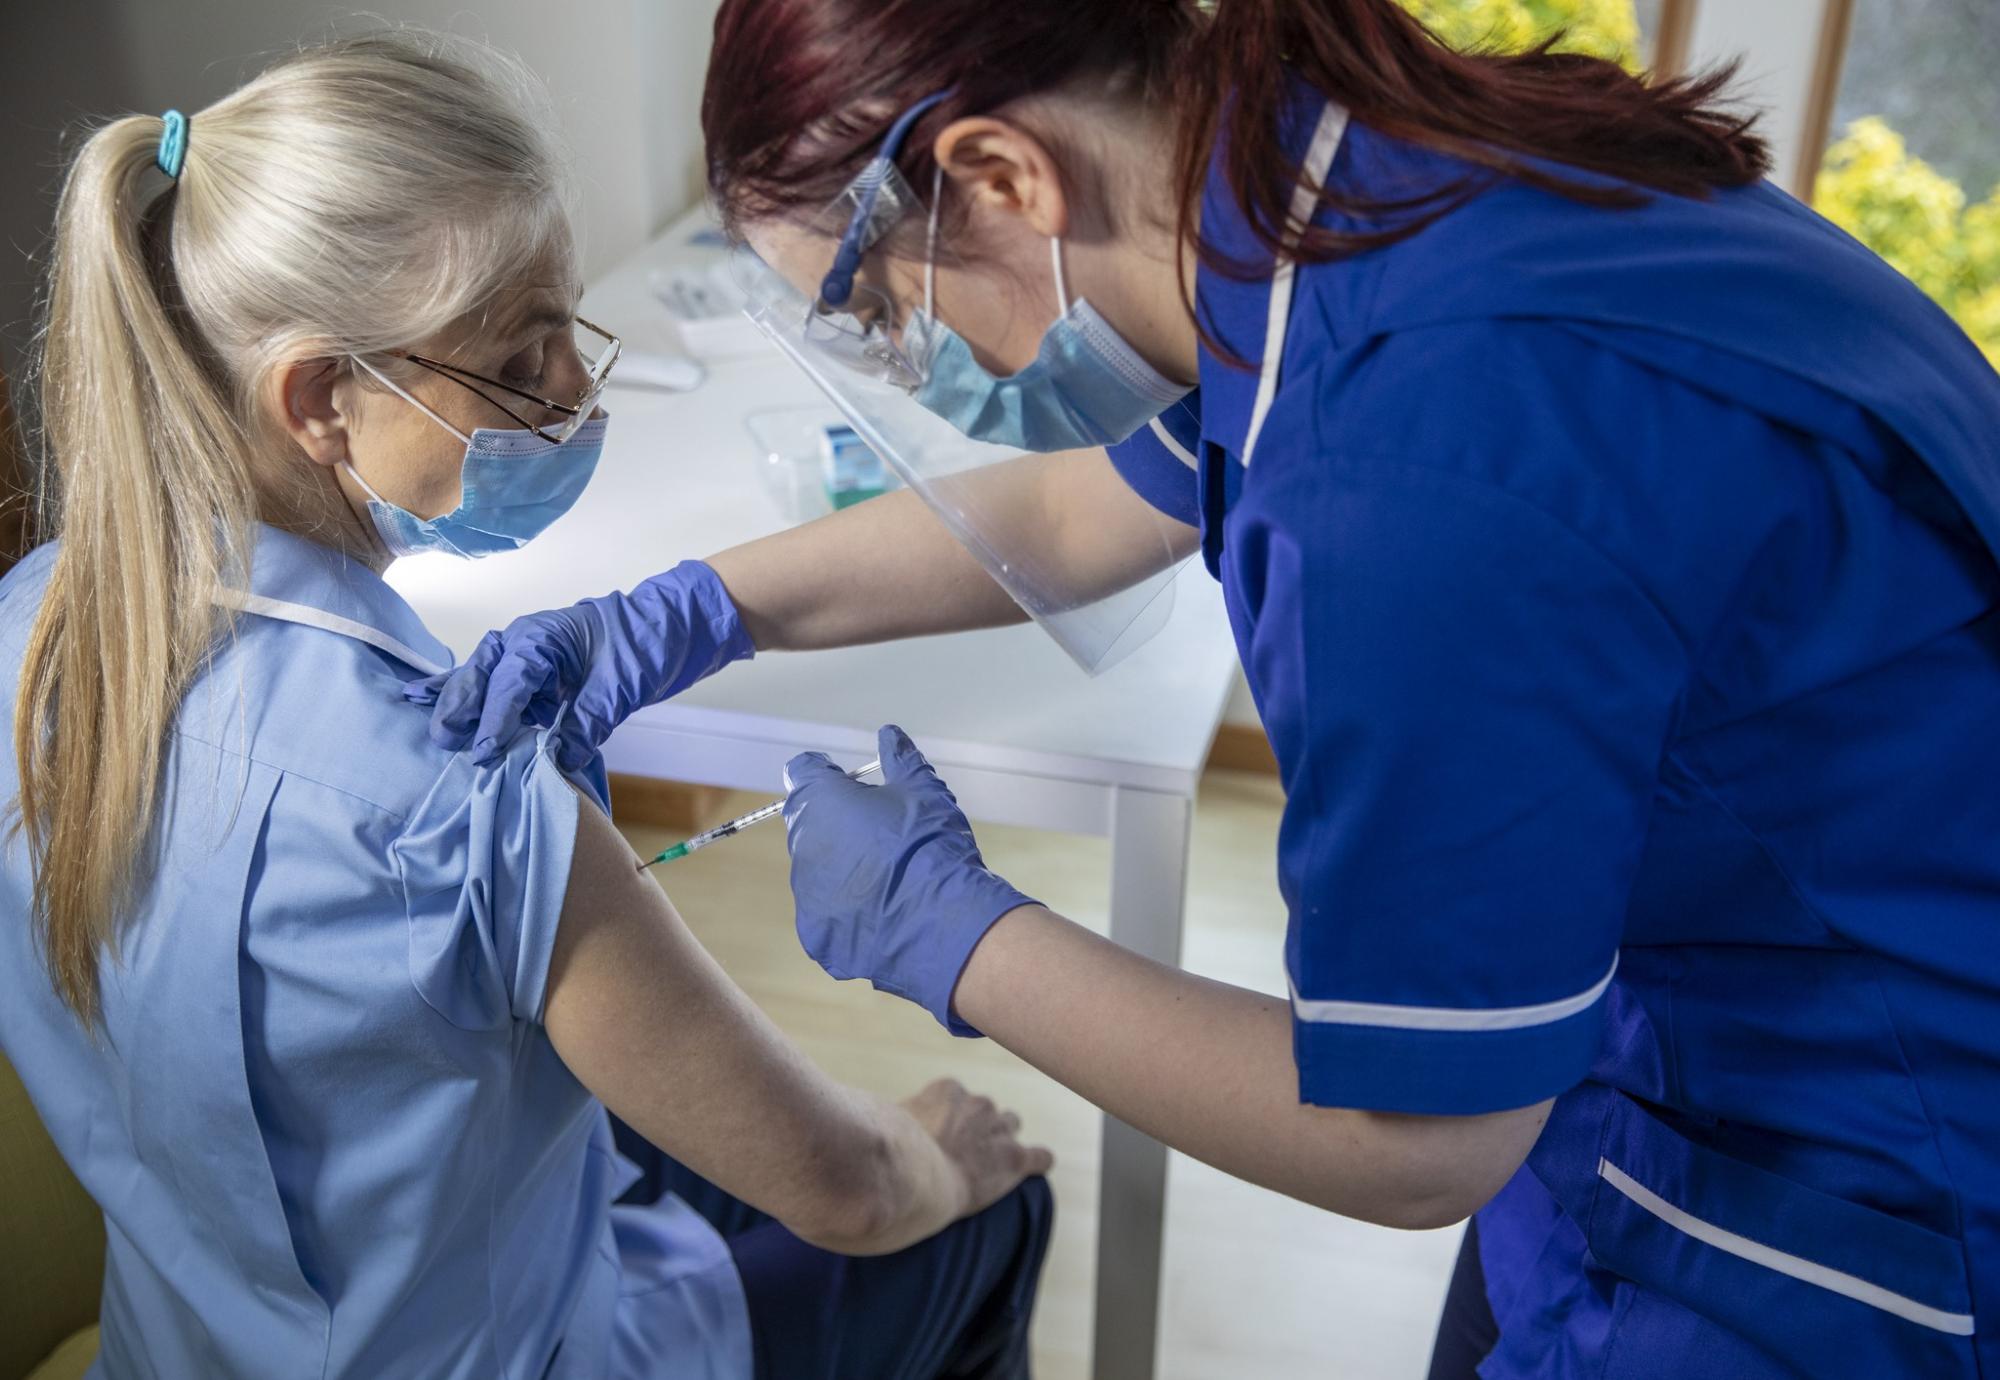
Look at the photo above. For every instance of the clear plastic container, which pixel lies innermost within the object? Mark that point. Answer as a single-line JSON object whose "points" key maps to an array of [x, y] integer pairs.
{"points": [[808, 464]]}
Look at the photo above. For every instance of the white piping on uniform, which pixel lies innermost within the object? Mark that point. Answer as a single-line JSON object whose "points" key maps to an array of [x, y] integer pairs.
{"points": [[930, 246], [267, 607], [1832, 1280], [1175, 448], [1447, 1017], [1305, 199]]}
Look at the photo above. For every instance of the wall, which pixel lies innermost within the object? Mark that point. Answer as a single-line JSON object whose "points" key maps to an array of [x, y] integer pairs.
{"points": [[1778, 41], [626, 75]]}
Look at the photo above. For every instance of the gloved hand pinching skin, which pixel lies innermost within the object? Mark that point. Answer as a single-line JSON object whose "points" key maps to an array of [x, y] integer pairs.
{"points": [[607, 657], [887, 879]]}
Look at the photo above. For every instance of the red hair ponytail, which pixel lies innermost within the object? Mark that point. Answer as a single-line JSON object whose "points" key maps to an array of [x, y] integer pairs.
{"points": [[1503, 112]]}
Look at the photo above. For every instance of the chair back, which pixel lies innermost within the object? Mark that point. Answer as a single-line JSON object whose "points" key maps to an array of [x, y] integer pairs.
{"points": [[51, 1238]]}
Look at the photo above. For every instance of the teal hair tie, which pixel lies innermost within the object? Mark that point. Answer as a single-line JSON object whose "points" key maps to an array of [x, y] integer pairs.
{"points": [[173, 143]]}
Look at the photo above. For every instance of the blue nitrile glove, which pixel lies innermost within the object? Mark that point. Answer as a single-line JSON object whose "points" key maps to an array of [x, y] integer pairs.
{"points": [[888, 880], [607, 657]]}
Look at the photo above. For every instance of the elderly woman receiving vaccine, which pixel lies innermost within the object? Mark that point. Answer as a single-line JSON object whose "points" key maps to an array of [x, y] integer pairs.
{"points": [[333, 1047]]}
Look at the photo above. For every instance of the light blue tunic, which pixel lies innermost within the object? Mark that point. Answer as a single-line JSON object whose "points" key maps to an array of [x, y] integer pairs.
{"points": [[328, 1132]]}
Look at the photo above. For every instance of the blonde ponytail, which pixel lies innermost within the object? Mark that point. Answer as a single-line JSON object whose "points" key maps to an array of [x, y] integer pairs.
{"points": [[154, 497], [358, 197]]}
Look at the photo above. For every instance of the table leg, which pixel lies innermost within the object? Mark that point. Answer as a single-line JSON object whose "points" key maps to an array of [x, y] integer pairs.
{"points": [[1149, 847]]}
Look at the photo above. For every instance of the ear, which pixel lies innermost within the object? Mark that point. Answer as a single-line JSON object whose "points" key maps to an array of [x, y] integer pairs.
{"points": [[309, 403], [1003, 167]]}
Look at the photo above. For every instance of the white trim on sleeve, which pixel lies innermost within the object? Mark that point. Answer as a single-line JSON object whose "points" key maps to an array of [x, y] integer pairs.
{"points": [[266, 607], [1797, 1267], [1174, 447], [1459, 1018], [1305, 197]]}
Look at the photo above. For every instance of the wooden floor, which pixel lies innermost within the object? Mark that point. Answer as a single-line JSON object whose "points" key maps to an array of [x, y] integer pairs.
{"points": [[1256, 1285]]}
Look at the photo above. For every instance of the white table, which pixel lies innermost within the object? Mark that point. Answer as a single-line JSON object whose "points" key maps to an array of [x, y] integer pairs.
{"points": [[1019, 732]]}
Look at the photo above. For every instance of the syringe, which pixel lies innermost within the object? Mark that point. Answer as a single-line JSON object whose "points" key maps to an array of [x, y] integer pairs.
{"points": [[739, 824]]}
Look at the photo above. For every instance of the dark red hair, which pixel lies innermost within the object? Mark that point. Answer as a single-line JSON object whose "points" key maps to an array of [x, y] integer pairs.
{"points": [[800, 93]]}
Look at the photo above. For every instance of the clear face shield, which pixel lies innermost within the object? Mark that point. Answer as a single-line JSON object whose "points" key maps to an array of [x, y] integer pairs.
{"points": [[1069, 541]]}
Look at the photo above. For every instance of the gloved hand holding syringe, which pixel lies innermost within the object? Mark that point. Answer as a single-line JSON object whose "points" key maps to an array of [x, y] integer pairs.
{"points": [[738, 825]]}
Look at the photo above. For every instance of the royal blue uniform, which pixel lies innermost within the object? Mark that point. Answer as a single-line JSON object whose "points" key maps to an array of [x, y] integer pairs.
{"points": [[1617, 587]]}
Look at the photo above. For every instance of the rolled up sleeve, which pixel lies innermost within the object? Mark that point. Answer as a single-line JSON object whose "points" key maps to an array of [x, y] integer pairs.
{"points": [[485, 862], [1469, 704]]}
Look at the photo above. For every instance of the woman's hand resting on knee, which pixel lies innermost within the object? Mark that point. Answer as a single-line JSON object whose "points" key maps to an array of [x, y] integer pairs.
{"points": [[979, 1139]]}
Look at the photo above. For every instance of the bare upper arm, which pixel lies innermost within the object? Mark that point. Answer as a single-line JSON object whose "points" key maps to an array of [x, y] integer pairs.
{"points": [[1111, 537], [648, 1021]]}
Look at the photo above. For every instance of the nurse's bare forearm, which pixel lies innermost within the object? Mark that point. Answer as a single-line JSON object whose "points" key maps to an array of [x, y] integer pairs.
{"points": [[880, 570], [889, 568], [1207, 1068]]}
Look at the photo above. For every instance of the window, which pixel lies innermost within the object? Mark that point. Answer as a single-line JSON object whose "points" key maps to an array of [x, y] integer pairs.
{"points": [[1912, 167], [1647, 15]]}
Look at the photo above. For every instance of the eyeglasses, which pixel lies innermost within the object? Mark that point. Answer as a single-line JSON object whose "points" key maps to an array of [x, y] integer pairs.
{"points": [[863, 339], [574, 414]]}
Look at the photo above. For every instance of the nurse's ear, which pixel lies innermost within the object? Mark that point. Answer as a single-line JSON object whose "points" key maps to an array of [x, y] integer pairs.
{"points": [[1001, 167], [311, 400]]}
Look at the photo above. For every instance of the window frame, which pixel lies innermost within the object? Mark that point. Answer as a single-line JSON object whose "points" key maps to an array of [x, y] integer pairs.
{"points": [[1836, 23], [1670, 45]]}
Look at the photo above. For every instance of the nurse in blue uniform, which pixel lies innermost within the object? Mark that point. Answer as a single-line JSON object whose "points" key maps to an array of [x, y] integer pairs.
{"points": [[1610, 546]]}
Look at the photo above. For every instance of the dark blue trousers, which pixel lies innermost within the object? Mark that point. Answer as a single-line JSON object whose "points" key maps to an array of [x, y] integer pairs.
{"points": [[1466, 1331], [955, 1307]]}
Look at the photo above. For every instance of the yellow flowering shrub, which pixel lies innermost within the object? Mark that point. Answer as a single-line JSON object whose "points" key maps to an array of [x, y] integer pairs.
{"points": [[1874, 188], [1601, 28]]}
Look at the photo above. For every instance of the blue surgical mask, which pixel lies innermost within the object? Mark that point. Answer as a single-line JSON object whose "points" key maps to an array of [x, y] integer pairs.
{"points": [[513, 485], [1085, 387]]}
